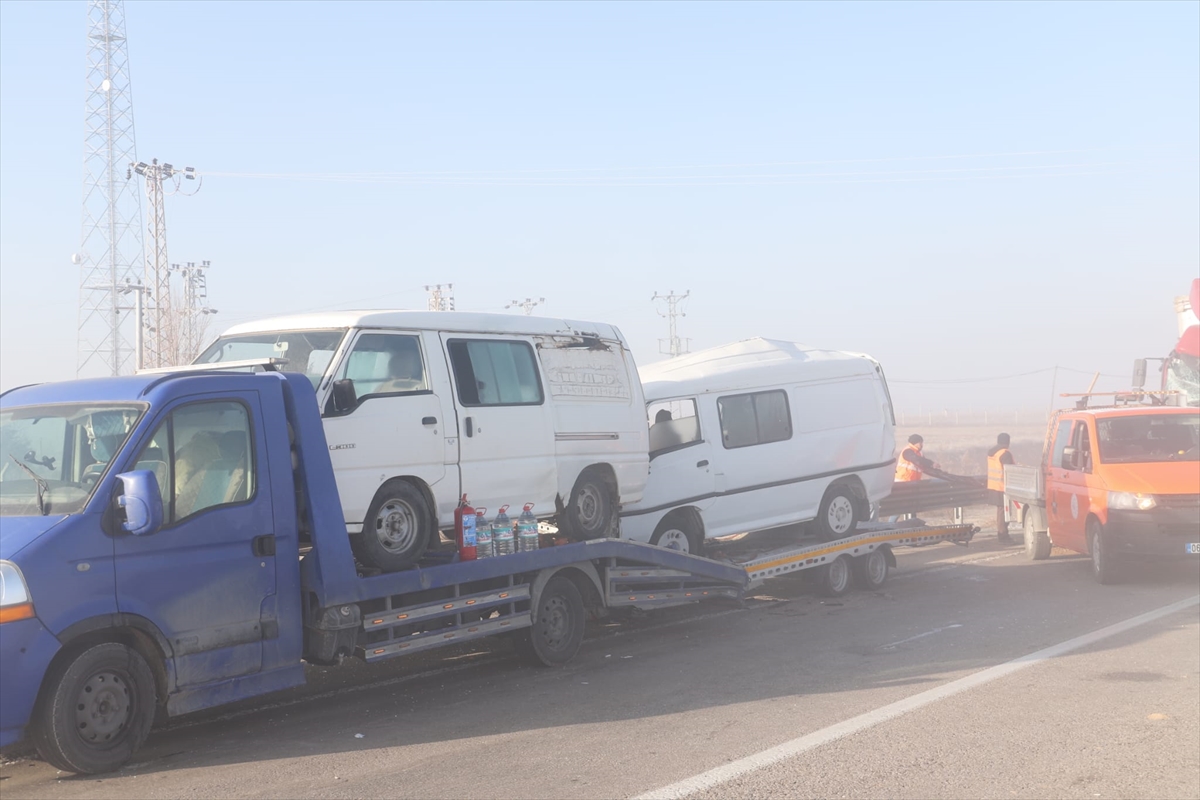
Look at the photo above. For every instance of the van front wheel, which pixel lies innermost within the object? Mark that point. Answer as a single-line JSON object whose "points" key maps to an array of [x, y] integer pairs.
{"points": [[838, 515], [592, 510], [397, 529]]}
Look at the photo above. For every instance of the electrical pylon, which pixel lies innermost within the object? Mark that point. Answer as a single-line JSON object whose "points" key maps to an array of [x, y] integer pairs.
{"points": [[675, 345]]}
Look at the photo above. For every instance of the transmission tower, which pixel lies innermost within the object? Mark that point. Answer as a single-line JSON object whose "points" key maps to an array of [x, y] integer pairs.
{"points": [[193, 315], [441, 300], [163, 344], [110, 242], [527, 305], [675, 345]]}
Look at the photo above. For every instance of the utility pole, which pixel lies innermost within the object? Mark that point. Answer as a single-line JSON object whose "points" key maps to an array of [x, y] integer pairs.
{"points": [[163, 349], [110, 246], [527, 305], [195, 308], [439, 300], [675, 345]]}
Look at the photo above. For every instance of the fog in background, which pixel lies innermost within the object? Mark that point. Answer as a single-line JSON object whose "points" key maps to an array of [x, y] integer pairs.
{"points": [[965, 192]]}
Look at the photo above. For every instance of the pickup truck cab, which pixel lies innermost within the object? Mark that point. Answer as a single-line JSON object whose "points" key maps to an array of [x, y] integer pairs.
{"points": [[1114, 483]]}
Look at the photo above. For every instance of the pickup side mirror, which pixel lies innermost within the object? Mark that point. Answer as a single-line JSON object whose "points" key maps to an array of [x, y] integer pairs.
{"points": [[344, 397], [1139, 373], [142, 502], [1068, 458]]}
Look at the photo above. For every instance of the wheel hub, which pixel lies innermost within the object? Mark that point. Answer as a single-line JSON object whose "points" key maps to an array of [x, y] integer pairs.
{"points": [[555, 622], [102, 709], [877, 567], [838, 574], [396, 526], [675, 540], [589, 505], [840, 514]]}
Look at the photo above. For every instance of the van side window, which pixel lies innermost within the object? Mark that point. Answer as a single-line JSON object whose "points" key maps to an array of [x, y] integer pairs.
{"points": [[495, 373], [1062, 438], [758, 418], [202, 457], [673, 424], [386, 363]]}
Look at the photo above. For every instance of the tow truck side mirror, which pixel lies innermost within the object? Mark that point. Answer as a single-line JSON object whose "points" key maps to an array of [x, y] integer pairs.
{"points": [[344, 396], [142, 502], [1139, 373]]}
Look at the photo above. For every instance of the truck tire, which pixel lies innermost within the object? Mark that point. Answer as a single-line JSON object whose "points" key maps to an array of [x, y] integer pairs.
{"points": [[95, 710], [838, 514], [1037, 543], [871, 570], [679, 531], [397, 529], [591, 512], [1105, 567], [558, 623], [833, 579]]}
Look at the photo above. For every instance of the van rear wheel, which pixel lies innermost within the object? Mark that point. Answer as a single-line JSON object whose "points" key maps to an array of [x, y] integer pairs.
{"points": [[591, 512], [397, 529], [838, 514]]}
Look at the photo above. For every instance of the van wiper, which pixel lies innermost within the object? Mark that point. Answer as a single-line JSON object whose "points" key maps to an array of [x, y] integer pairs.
{"points": [[42, 486]]}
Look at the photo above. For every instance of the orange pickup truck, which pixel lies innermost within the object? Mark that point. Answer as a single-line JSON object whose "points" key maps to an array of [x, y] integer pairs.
{"points": [[1114, 483]]}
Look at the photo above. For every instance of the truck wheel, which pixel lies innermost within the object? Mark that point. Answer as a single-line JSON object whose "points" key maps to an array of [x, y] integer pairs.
{"points": [[1037, 543], [96, 710], [679, 532], [558, 623], [592, 510], [396, 530], [871, 570], [838, 514], [1105, 568], [833, 579]]}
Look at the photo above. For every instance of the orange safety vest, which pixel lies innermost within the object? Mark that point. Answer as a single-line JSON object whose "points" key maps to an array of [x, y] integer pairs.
{"points": [[906, 470], [996, 470]]}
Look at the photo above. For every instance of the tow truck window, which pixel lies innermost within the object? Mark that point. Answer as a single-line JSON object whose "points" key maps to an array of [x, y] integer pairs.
{"points": [[758, 418], [1146, 438], [673, 425]]}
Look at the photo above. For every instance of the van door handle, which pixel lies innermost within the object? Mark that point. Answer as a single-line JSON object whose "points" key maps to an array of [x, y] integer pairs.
{"points": [[429, 421], [703, 463], [263, 545], [469, 424]]}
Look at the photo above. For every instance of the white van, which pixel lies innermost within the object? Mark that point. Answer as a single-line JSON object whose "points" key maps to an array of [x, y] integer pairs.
{"points": [[421, 407], [758, 434]]}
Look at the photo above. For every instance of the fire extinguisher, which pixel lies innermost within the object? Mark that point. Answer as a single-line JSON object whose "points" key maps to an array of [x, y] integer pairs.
{"points": [[464, 530]]}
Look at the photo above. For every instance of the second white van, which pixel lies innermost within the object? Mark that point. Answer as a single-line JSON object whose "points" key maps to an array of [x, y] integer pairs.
{"points": [[760, 434]]}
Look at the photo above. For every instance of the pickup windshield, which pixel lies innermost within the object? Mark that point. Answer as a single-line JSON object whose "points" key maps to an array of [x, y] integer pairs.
{"points": [[55, 455], [1149, 437], [302, 351]]}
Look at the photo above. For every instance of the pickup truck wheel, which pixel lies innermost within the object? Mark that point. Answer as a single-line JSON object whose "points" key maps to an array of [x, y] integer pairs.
{"points": [[838, 514], [678, 532], [592, 510], [834, 578], [558, 623], [871, 569], [96, 710], [396, 530], [1105, 568], [1037, 543]]}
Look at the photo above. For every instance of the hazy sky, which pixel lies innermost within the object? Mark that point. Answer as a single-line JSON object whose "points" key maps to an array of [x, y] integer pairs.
{"points": [[962, 191]]}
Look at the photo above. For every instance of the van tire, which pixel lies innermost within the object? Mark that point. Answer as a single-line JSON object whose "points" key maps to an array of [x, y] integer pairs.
{"points": [[592, 510], [1037, 543], [679, 528], [397, 529], [834, 579], [559, 619], [96, 710], [1105, 567], [838, 514]]}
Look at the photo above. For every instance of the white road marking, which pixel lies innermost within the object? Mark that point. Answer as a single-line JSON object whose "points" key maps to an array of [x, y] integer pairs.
{"points": [[735, 769], [894, 645]]}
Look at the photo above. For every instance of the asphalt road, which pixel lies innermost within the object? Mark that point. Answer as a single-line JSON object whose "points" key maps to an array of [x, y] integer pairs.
{"points": [[963, 677]]}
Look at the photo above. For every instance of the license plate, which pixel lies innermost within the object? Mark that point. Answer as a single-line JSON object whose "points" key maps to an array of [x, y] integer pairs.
{"points": [[1194, 548]]}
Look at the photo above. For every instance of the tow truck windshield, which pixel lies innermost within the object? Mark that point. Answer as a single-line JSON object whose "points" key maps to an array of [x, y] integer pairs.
{"points": [[1145, 438], [302, 351], [55, 455]]}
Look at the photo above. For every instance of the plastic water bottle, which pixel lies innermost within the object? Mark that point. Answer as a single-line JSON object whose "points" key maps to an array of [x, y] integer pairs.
{"points": [[483, 535], [527, 530], [503, 539]]}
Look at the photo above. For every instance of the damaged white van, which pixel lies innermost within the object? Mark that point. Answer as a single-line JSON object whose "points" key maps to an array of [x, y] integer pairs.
{"points": [[422, 407], [759, 434]]}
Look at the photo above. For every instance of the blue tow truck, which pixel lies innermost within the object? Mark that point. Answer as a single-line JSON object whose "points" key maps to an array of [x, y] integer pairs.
{"points": [[173, 542]]}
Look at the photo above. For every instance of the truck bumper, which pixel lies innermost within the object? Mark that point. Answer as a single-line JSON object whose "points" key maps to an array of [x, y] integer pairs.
{"points": [[26, 649], [1157, 533]]}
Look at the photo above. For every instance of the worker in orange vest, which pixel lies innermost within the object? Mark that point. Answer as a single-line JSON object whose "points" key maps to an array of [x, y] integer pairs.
{"points": [[911, 465], [997, 457]]}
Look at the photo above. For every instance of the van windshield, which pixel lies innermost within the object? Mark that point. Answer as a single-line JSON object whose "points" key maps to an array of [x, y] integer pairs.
{"points": [[1145, 438], [55, 455], [302, 351]]}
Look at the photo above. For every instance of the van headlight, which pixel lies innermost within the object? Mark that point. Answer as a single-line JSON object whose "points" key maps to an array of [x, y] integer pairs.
{"points": [[15, 602], [1129, 501]]}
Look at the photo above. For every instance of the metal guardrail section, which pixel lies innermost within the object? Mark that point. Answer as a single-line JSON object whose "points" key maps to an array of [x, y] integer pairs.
{"points": [[914, 496], [794, 559]]}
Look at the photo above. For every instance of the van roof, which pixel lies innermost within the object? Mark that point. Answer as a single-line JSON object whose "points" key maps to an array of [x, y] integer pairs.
{"points": [[748, 364], [454, 321]]}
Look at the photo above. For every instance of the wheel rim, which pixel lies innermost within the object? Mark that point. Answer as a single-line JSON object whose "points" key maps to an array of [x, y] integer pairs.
{"points": [[396, 526], [876, 568], [1030, 534], [554, 623], [839, 574], [102, 708], [1097, 562], [675, 539], [590, 506], [840, 514]]}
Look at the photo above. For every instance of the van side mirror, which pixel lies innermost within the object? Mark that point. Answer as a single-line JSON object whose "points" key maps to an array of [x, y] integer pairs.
{"points": [[344, 397], [1139, 373], [142, 502], [1068, 458]]}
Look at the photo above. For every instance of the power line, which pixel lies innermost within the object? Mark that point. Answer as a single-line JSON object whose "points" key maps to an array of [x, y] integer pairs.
{"points": [[1004, 377]]}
